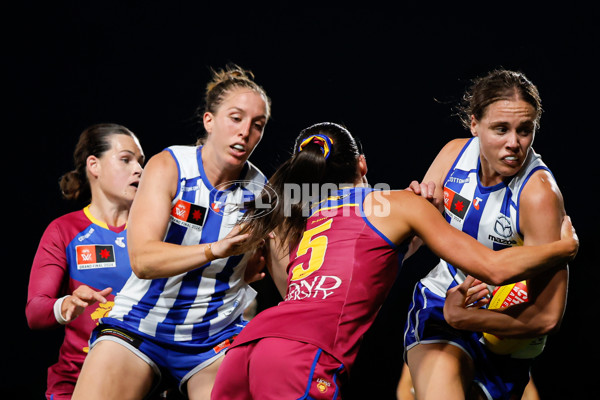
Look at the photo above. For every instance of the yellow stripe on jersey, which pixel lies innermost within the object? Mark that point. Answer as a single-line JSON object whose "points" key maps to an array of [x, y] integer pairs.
{"points": [[88, 214]]}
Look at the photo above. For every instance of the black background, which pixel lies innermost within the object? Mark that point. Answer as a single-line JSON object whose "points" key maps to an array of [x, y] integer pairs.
{"points": [[390, 74]]}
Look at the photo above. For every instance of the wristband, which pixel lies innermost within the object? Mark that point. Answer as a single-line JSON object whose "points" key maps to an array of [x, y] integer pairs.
{"points": [[210, 256], [58, 311]]}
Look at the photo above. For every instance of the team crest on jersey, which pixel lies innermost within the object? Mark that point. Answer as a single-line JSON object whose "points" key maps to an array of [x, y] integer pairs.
{"points": [[188, 214], [323, 385], [95, 256], [455, 204], [102, 310]]}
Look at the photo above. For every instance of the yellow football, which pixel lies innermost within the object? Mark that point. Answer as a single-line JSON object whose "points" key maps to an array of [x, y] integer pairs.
{"points": [[504, 296]]}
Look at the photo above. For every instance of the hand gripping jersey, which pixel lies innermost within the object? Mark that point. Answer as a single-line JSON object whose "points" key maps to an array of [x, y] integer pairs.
{"points": [[338, 277], [193, 306], [76, 249], [489, 214]]}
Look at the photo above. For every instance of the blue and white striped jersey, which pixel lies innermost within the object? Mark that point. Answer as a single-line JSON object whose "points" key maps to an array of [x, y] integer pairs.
{"points": [[489, 214], [195, 305]]}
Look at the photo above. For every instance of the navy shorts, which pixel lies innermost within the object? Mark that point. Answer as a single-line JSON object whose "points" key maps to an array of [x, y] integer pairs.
{"points": [[181, 360], [498, 376]]}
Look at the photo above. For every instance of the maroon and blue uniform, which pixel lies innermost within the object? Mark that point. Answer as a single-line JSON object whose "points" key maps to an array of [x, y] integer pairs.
{"points": [[338, 277], [76, 249]]}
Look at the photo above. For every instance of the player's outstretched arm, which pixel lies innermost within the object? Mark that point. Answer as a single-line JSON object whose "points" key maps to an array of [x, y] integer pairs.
{"points": [[410, 214]]}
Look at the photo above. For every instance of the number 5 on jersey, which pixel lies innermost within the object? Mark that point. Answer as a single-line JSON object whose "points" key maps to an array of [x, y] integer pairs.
{"points": [[317, 256]]}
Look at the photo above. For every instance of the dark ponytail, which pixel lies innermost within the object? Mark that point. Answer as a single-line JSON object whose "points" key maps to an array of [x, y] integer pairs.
{"points": [[95, 140], [324, 153]]}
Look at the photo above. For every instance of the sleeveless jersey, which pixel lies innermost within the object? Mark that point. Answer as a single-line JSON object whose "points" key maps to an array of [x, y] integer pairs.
{"points": [[338, 277], [76, 249], [489, 214], [192, 306]]}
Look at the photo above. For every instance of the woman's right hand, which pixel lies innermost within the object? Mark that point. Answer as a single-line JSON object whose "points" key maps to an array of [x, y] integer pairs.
{"points": [[230, 245], [423, 189], [427, 191], [82, 297]]}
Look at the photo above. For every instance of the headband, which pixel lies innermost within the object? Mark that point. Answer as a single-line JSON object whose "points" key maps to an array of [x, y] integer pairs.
{"points": [[323, 141]]}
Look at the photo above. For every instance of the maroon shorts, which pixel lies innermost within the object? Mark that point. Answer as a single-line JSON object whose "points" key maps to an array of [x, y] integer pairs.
{"points": [[275, 368]]}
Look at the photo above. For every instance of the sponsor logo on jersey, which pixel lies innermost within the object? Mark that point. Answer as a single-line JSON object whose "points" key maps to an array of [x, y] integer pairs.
{"points": [[216, 206], [95, 256], [477, 202], [454, 179], [188, 214], [503, 226], [86, 236], [455, 204], [504, 231], [223, 345], [320, 287], [507, 242]]}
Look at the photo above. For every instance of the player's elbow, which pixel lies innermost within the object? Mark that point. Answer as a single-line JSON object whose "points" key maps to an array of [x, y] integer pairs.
{"points": [[140, 269], [32, 322], [139, 266], [543, 324], [140, 260], [496, 280], [495, 275], [36, 318], [549, 325], [145, 257], [498, 274]]}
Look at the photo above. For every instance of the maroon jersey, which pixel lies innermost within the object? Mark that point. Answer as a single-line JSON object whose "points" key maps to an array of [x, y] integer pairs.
{"points": [[338, 277], [75, 249]]}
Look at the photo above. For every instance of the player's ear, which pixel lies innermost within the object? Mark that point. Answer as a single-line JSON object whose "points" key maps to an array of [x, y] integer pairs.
{"points": [[361, 170], [207, 121], [362, 165], [474, 124], [93, 166]]}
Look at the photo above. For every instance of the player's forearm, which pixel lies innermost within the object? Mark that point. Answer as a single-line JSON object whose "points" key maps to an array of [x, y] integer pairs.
{"points": [[159, 259], [527, 324], [40, 312], [523, 262]]}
